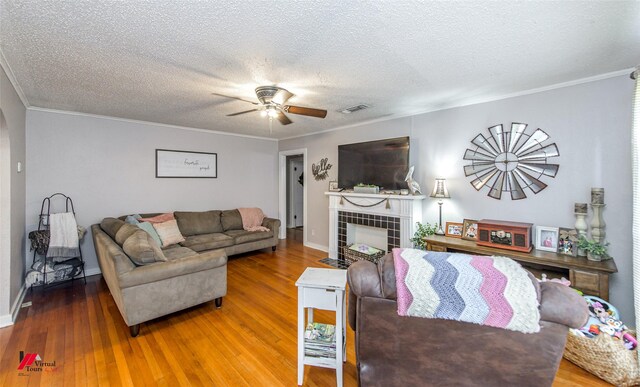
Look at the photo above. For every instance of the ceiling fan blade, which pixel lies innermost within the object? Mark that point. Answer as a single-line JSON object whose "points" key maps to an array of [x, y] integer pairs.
{"points": [[305, 111], [239, 99], [284, 120], [281, 96], [238, 113]]}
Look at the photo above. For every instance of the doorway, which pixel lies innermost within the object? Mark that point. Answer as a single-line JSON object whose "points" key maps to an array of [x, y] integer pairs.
{"points": [[5, 224], [293, 194], [295, 189]]}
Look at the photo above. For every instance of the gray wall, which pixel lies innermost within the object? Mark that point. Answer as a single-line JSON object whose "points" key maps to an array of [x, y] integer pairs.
{"points": [[14, 114], [590, 123], [107, 166]]}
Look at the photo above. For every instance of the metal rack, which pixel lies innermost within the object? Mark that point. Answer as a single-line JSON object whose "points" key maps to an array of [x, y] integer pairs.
{"points": [[43, 228]]}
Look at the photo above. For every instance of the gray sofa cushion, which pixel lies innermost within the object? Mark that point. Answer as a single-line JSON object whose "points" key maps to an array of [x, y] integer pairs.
{"points": [[142, 249], [177, 267], [231, 220], [242, 236], [207, 241], [125, 231], [111, 226], [196, 223], [178, 252]]}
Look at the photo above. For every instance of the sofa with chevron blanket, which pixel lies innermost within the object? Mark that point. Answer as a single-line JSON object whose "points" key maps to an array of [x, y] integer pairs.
{"points": [[394, 350]]}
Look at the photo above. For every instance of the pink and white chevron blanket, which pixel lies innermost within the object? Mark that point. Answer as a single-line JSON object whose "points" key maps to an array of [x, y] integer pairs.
{"points": [[493, 291]]}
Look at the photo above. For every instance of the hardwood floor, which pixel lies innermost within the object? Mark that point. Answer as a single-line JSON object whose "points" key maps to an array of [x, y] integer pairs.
{"points": [[250, 341]]}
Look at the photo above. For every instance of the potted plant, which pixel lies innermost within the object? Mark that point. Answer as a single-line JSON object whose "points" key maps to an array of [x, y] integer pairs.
{"points": [[422, 231], [595, 251]]}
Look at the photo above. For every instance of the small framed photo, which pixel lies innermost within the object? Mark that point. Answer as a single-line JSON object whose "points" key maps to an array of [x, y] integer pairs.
{"points": [[333, 186], [453, 229], [547, 238], [470, 229], [568, 241]]}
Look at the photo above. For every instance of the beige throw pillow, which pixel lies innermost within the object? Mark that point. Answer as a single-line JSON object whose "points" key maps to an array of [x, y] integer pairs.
{"points": [[142, 248], [169, 233], [125, 231]]}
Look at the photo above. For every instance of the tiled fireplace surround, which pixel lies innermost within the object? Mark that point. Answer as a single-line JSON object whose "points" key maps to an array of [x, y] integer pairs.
{"points": [[371, 210]]}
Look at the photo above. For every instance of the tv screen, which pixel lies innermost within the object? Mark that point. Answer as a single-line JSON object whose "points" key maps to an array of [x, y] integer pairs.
{"points": [[384, 163]]}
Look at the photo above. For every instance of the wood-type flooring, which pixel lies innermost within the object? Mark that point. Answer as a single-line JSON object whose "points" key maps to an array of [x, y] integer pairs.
{"points": [[250, 341]]}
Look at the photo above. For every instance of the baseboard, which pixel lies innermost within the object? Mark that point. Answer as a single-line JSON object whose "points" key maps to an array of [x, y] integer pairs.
{"points": [[317, 247], [94, 271], [9, 319]]}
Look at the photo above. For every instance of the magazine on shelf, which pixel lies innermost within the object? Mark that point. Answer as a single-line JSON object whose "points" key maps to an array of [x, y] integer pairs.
{"points": [[320, 340]]}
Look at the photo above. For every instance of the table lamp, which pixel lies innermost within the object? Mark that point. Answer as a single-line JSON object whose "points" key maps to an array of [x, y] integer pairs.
{"points": [[440, 191]]}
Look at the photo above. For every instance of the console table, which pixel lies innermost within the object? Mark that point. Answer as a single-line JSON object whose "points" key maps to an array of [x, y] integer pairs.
{"points": [[588, 276]]}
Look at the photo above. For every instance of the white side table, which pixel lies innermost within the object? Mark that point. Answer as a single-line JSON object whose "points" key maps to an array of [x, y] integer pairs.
{"points": [[322, 289]]}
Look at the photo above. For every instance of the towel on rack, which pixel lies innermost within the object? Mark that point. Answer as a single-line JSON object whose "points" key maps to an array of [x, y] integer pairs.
{"points": [[63, 241]]}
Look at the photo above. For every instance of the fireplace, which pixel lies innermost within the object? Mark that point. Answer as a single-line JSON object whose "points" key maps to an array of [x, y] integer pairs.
{"points": [[348, 223], [379, 220]]}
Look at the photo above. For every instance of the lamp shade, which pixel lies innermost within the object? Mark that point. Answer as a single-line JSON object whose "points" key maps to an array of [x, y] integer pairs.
{"points": [[440, 190]]}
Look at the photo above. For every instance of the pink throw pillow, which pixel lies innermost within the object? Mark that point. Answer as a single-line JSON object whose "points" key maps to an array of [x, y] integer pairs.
{"points": [[169, 232], [158, 218]]}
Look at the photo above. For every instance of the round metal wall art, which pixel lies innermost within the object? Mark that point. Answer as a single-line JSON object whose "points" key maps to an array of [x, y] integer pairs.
{"points": [[510, 161]]}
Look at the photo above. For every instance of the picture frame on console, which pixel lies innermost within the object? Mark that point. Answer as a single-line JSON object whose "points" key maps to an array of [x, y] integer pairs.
{"points": [[454, 230], [568, 241], [470, 229], [333, 186], [547, 238]]}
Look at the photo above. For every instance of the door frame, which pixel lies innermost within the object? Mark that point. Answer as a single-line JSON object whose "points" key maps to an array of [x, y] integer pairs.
{"points": [[282, 198]]}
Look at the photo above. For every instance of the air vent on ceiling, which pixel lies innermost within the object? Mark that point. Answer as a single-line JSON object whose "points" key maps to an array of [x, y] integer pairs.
{"points": [[352, 109]]}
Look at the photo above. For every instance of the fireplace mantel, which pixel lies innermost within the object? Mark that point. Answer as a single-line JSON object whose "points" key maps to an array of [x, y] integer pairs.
{"points": [[406, 208]]}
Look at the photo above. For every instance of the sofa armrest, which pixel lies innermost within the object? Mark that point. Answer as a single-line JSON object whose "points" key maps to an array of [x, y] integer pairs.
{"points": [[563, 305], [364, 281], [271, 224], [163, 270]]}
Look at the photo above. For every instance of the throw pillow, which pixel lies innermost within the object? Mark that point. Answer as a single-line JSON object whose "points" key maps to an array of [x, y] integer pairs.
{"points": [[148, 227], [142, 249], [169, 232], [125, 232], [111, 226], [132, 219], [158, 219]]}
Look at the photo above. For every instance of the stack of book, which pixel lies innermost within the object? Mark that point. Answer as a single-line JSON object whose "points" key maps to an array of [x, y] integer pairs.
{"points": [[320, 340]]}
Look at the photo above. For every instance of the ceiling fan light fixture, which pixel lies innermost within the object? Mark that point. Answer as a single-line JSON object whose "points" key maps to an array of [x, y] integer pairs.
{"points": [[272, 112]]}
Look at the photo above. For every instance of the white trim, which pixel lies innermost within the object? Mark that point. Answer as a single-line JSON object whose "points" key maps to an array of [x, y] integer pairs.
{"points": [[317, 246], [473, 102], [12, 79], [94, 271], [210, 131], [9, 319], [282, 195]]}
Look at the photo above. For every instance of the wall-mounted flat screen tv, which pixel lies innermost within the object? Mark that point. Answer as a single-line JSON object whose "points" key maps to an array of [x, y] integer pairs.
{"points": [[384, 163]]}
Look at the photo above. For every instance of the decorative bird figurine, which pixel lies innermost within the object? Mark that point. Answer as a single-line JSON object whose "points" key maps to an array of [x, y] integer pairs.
{"points": [[414, 187]]}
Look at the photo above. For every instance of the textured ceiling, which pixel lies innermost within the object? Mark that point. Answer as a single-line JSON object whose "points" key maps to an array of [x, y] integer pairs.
{"points": [[160, 61]]}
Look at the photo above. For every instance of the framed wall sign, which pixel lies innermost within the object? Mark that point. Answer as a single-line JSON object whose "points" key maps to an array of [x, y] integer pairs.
{"points": [[174, 163]]}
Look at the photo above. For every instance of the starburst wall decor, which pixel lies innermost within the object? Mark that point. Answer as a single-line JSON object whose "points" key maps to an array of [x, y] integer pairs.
{"points": [[510, 161]]}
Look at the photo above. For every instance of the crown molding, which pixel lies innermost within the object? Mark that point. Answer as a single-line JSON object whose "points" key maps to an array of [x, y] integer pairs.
{"points": [[12, 78], [478, 101], [80, 114]]}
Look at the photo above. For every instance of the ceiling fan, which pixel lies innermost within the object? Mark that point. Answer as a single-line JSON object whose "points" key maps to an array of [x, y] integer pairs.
{"points": [[272, 103]]}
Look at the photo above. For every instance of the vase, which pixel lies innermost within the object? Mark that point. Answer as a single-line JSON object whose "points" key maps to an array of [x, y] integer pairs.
{"points": [[592, 257], [597, 223], [581, 225]]}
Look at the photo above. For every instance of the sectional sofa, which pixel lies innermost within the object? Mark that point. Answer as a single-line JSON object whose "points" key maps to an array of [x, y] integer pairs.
{"points": [[147, 281]]}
